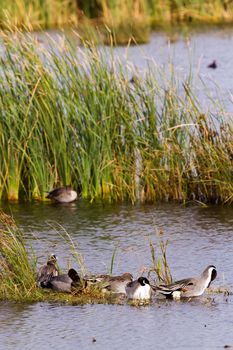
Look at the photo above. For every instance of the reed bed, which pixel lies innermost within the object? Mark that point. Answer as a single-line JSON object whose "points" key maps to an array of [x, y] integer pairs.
{"points": [[72, 116], [124, 18]]}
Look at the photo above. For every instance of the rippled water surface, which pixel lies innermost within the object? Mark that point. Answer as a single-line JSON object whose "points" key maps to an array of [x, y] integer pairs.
{"points": [[198, 237]]}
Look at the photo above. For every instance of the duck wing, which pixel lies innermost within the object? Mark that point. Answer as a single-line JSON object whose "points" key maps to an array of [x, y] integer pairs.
{"points": [[180, 285], [46, 272], [55, 192]]}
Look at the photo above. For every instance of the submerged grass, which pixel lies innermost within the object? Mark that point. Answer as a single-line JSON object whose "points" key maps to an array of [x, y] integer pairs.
{"points": [[72, 116]]}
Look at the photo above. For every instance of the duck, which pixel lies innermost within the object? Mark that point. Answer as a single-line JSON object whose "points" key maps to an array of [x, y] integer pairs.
{"points": [[213, 65], [48, 271], [112, 284], [116, 284], [63, 283], [189, 287], [62, 194], [139, 289]]}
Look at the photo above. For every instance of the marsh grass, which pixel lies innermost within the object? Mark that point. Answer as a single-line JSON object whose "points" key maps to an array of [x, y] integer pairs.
{"points": [[71, 116], [17, 270]]}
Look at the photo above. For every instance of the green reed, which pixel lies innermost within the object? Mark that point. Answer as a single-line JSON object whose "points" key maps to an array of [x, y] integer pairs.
{"points": [[17, 265], [71, 116], [160, 266]]}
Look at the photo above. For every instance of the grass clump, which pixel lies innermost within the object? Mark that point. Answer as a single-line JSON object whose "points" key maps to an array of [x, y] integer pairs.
{"points": [[17, 270], [160, 266]]}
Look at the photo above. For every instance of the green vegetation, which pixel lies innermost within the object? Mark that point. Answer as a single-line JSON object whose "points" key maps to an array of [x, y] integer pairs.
{"points": [[125, 18], [74, 117], [160, 264]]}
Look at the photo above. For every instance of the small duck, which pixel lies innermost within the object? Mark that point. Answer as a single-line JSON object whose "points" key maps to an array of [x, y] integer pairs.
{"points": [[46, 272], [189, 287], [62, 194], [213, 65], [63, 283], [139, 289], [116, 284]]}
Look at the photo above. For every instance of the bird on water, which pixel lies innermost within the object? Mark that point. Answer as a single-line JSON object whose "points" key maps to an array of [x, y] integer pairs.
{"points": [[62, 194]]}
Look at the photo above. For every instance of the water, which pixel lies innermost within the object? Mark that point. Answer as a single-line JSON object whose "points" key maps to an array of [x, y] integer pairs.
{"points": [[198, 237]]}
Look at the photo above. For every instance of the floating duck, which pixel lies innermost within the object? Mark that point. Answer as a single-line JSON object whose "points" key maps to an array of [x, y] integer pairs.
{"points": [[62, 194]]}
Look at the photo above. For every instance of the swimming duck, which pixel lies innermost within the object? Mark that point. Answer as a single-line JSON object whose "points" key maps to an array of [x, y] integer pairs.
{"points": [[139, 289], [46, 272], [213, 65], [189, 287], [62, 194]]}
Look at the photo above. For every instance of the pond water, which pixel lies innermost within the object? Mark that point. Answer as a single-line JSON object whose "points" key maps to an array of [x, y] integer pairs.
{"points": [[198, 237]]}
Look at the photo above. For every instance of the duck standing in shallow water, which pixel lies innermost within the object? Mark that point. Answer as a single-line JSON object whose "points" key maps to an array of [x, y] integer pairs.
{"points": [[139, 289], [189, 287], [62, 194], [48, 271]]}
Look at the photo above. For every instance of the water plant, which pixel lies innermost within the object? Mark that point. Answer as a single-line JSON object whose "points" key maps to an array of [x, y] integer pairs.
{"points": [[160, 266], [17, 266]]}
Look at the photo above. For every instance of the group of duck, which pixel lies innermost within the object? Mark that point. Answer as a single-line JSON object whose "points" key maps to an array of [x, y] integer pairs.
{"points": [[139, 289]]}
